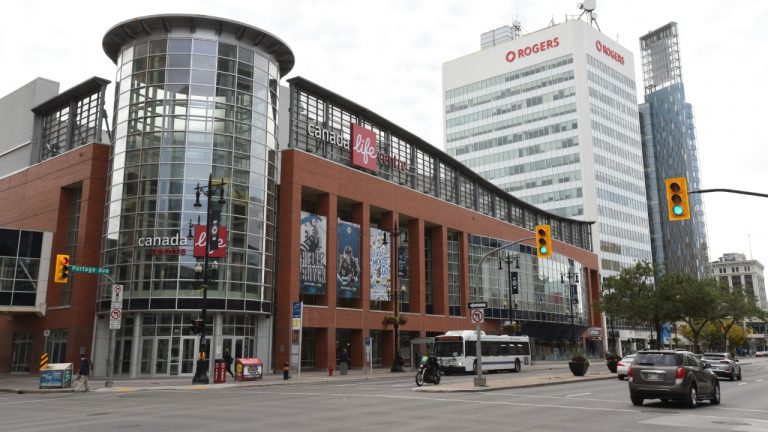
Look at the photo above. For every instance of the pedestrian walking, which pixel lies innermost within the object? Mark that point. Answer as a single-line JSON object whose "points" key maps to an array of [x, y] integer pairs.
{"points": [[84, 373], [228, 360], [286, 370]]}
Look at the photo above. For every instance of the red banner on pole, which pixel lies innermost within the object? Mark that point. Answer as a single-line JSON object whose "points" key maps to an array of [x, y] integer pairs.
{"points": [[201, 242]]}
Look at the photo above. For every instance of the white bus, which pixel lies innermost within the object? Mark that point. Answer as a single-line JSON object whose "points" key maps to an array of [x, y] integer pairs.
{"points": [[455, 350]]}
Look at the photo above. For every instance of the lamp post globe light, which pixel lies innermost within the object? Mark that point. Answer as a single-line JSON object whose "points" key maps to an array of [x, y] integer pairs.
{"points": [[201, 271], [573, 277]]}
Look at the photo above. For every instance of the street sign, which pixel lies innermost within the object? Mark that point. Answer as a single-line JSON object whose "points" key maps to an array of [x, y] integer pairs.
{"points": [[478, 316], [296, 321], [116, 311], [89, 270], [477, 305]]}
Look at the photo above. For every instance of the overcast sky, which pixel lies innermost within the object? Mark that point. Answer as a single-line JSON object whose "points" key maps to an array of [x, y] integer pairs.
{"points": [[387, 56]]}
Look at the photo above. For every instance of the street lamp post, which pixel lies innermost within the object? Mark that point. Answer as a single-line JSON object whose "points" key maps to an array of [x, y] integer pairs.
{"points": [[211, 229], [395, 234], [572, 277], [509, 258]]}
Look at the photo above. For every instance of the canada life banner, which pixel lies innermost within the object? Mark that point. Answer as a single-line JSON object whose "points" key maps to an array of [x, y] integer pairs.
{"points": [[364, 153], [201, 242]]}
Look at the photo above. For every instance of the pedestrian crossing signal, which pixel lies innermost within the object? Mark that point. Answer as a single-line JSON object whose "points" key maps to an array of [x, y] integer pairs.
{"points": [[62, 269]]}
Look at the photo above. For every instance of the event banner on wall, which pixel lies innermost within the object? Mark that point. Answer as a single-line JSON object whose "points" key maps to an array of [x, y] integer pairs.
{"points": [[348, 260], [381, 264], [312, 254]]}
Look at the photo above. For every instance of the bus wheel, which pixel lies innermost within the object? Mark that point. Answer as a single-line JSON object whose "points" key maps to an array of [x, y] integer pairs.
{"points": [[474, 368], [517, 365]]}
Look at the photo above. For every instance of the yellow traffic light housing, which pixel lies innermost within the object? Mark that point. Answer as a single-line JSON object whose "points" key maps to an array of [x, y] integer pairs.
{"points": [[543, 241], [677, 199], [62, 269]]}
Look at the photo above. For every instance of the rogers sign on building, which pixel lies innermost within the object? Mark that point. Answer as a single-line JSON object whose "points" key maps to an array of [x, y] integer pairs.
{"points": [[533, 49]]}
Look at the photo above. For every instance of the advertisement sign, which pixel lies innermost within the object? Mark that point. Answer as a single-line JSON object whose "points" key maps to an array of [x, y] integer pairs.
{"points": [[296, 316], [220, 251], [513, 285], [312, 258], [364, 151], [574, 294], [348, 261], [381, 264]]}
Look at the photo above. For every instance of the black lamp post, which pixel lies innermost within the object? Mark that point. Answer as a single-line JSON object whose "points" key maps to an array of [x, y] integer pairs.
{"points": [[395, 233], [211, 230], [511, 280], [572, 277]]}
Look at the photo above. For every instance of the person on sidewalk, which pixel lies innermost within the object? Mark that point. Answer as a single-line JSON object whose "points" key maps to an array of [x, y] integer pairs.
{"points": [[84, 373], [286, 370], [228, 360]]}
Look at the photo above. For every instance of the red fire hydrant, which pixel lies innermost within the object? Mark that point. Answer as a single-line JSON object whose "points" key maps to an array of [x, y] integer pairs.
{"points": [[330, 371]]}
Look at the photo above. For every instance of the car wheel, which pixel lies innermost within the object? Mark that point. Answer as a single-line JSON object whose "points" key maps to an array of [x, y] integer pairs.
{"points": [[621, 377], [739, 378], [733, 376], [636, 400], [715, 400], [517, 366], [693, 397]]}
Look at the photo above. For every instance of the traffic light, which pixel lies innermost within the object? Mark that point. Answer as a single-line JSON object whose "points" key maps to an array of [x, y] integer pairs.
{"points": [[677, 199], [62, 269], [543, 241]]}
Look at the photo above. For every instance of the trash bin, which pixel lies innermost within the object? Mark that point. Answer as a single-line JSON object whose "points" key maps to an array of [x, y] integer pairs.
{"points": [[56, 375], [219, 371]]}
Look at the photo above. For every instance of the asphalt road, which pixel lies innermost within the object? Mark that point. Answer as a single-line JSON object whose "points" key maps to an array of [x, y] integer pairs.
{"points": [[389, 405]]}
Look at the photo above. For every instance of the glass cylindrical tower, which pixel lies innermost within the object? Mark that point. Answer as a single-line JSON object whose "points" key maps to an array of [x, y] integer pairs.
{"points": [[195, 96]]}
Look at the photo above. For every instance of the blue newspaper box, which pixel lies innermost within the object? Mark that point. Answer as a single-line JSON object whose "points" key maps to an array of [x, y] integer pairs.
{"points": [[56, 375]]}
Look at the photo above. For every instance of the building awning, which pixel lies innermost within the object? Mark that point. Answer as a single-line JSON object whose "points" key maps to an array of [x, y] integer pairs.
{"points": [[551, 332]]}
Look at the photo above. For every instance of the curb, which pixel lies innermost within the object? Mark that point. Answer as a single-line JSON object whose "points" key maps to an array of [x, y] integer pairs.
{"points": [[505, 387]]}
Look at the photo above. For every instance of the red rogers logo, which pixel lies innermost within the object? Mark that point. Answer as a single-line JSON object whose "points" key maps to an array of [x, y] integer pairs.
{"points": [[532, 49], [609, 52]]}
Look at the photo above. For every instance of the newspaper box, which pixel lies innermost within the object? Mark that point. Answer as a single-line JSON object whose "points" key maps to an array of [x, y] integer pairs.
{"points": [[219, 371], [248, 369], [56, 375]]}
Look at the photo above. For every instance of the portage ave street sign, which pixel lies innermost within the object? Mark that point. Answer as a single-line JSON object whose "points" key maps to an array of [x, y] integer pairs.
{"points": [[89, 270]]}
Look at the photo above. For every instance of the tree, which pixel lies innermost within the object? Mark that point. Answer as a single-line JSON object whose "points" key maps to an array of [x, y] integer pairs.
{"points": [[735, 306], [697, 303], [634, 297]]}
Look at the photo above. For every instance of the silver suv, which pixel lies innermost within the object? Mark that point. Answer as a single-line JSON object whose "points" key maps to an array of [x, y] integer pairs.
{"points": [[676, 375]]}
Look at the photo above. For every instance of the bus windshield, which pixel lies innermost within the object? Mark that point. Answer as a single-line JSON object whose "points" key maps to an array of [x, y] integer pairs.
{"points": [[449, 348]]}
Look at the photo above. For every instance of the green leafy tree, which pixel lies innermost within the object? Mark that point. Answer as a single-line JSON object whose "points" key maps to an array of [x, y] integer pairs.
{"points": [[735, 306], [697, 303]]}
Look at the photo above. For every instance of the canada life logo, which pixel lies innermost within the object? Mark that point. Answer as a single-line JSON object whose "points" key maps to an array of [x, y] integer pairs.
{"points": [[601, 47], [364, 152], [532, 49]]}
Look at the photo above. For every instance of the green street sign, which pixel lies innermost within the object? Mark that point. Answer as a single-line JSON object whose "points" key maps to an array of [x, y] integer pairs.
{"points": [[89, 270]]}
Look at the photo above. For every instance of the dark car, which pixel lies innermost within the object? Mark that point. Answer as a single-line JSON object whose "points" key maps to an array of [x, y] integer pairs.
{"points": [[672, 375], [724, 365]]}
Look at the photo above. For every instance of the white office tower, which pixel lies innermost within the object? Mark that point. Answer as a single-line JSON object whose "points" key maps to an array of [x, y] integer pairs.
{"points": [[551, 117]]}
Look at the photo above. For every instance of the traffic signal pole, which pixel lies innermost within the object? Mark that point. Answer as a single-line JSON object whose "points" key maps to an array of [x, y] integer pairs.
{"points": [[736, 191]]}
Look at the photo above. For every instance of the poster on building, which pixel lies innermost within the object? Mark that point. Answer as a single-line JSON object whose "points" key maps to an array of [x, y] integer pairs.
{"points": [[381, 264], [312, 250], [348, 260]]}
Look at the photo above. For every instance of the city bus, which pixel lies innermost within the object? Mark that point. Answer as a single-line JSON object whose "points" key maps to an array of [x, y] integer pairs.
{"points": [[455, 351]]}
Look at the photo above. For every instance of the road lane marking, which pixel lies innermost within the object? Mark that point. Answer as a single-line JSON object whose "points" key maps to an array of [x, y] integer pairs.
{"points": [[578, 394], [741, 384]]}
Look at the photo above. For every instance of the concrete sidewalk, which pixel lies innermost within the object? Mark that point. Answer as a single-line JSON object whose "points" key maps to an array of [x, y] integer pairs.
{"points": [[548, 373]]}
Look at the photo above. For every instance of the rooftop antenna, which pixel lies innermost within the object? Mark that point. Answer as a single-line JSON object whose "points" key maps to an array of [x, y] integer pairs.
{"points": [[588, 7], [517, 26]]}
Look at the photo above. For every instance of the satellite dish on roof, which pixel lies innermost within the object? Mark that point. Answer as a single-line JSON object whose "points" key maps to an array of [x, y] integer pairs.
{"points": [[589, 5]]}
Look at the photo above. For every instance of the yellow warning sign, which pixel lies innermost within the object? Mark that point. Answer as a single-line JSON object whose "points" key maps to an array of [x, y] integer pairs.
{"points": [[43, 361]]}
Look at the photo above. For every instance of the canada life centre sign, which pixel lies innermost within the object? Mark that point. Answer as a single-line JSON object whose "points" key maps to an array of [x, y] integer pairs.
{"points": [[362, 145]]}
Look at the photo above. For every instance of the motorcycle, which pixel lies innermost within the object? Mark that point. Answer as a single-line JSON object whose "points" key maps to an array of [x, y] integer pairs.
{"points": [[429, 371]]}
